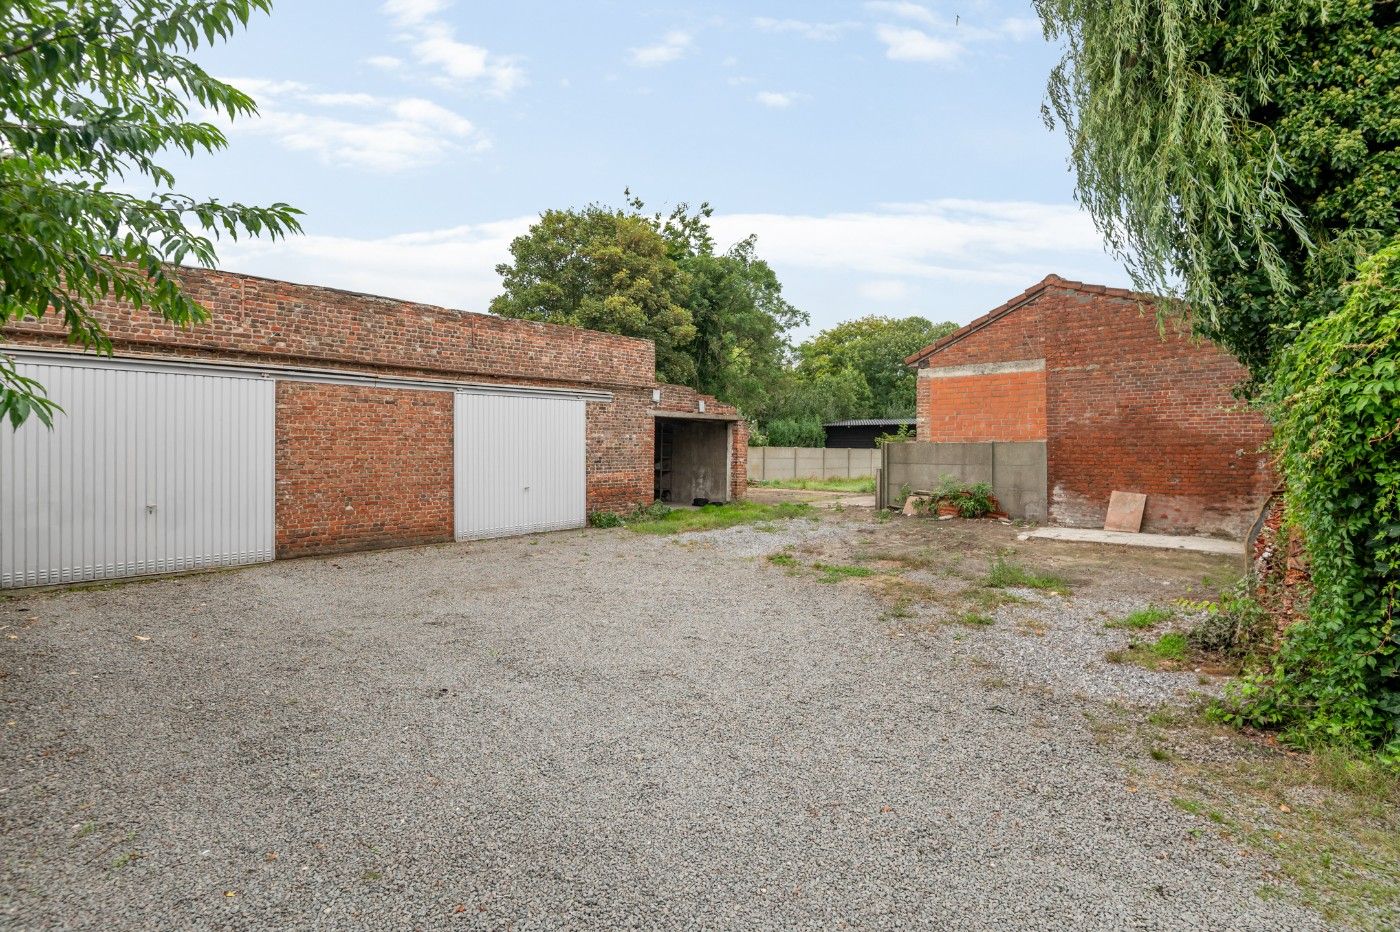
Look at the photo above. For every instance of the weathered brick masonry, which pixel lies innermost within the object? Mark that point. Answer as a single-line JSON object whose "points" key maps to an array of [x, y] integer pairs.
{"points": [[362, 466], [1119, 404]]}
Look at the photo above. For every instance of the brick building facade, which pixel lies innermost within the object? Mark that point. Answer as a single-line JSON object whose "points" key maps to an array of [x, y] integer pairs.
{"points": [[1120, 403], [359, 464]]}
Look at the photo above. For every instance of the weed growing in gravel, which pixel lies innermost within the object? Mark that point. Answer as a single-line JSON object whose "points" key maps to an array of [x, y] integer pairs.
{"points": [[715, 517], [976, 619], [835, 572], [782, 559], [125, 859], [1006, 574], [1167, 651], [1142, 619], [86, 829]]}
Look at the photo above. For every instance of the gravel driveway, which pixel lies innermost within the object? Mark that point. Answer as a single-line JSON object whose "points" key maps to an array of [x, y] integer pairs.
{"points": [[587, 729]]}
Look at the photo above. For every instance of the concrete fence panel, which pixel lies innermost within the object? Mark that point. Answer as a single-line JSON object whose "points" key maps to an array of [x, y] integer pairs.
{"points": [[1015, 471], [768, 463]]}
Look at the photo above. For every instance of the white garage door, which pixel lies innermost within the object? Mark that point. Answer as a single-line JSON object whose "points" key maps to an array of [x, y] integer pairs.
{"points": [[519, 464], [150, 470]]}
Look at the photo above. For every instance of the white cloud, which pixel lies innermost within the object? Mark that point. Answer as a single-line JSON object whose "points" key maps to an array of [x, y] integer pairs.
{"points": [[413, 12], [1001, 242], [435, 47], [387, 135], [341, 100], [905, 10], [913, 255], [671, 47], [453, 267], [384, 62], [776, 99], [884, 289], [938, 38], [817, 32], [262, 87], [1018, 28], [903, 44]]}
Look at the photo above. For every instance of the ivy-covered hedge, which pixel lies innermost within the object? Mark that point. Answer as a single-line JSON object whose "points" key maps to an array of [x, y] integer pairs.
{"points": [[1336, 678]]}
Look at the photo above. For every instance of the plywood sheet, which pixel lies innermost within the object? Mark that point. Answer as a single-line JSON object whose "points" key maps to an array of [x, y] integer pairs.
{"points": [[1125, 512]]}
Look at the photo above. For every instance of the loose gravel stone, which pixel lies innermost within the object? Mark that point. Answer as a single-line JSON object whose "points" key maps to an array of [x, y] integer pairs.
{"points": [[587, 729]]}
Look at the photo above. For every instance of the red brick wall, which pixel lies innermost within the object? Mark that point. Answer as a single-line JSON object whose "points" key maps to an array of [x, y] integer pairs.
{"points": [[620, 444], [1129, 409], [262, 320], [1120, 407], [1007, 406], [361, 467]]}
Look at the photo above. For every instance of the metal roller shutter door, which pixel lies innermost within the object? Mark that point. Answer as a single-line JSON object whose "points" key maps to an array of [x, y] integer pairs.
{"points": [[148, 471], [519, 464]]}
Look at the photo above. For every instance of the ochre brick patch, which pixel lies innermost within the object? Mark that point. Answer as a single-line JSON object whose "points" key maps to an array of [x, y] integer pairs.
{"points": [[361, 467]]}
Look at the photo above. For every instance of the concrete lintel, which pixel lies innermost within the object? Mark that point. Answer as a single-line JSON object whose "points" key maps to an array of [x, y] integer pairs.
{"points": [[693, 415], [1232, 548], [983, 368]]}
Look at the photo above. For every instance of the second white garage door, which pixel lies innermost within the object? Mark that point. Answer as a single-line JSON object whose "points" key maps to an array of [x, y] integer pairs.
{"points": [[519, 464]]}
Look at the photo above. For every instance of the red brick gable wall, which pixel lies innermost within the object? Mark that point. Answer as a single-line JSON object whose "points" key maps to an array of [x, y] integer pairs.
{"points": [[1119, 407]]}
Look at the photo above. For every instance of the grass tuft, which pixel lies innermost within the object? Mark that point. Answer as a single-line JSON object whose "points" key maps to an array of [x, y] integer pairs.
{"points": [[1142, 619], [832, 573], [1006, 574], [715, 517], [857, 484]]}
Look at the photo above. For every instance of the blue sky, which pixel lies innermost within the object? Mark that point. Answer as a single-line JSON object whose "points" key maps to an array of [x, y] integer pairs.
{"points": [[890, 155]]}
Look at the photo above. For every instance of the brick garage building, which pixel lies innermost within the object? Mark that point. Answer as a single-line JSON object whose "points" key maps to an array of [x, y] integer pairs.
{"points": [[363, 426], [1118, 403]]}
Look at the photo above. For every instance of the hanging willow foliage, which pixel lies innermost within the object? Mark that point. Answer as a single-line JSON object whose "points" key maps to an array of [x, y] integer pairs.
{"points": [[1167, 159]]}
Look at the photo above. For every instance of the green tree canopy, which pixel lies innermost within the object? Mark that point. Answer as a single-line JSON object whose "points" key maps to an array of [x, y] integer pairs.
{"points": [[92, 94], [719, 319], [875, 347], [602, 269]]}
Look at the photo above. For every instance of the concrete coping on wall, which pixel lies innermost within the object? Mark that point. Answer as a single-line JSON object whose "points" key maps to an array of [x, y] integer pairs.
{"points": [[693, 415], [1232, 548]]}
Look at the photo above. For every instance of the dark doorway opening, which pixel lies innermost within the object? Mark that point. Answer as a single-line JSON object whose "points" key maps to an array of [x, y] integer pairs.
{"points": [[692, 461]]}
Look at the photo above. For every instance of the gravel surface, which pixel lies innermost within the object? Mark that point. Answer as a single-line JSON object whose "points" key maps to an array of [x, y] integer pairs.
{"points": [[1060, 643], [588, 729]]}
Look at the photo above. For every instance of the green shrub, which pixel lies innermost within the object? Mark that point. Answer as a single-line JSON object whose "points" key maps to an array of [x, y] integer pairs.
{"points": [[790, 432], [1236, 626], [1336, 398], [604, 519]]}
